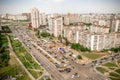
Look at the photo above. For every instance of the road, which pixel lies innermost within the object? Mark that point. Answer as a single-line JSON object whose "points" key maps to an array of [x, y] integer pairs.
{"points": [[55, 74], [84, 72]]}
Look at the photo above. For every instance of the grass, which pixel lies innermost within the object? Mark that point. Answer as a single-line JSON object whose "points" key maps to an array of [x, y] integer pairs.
{"points": [[118, 71], [114, 75], [26, 58], [112, 78], [110, 64], [92, 55], [111, 68], [14, 69], [100, 69]]}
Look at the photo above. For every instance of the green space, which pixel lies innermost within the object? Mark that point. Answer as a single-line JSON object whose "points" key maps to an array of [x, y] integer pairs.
{"points": [[79, 57], [26, 58], [8, 63], [118, 71], [110, 64], [79, 47], [14, 69], [63, 40], [100, 69], [115, 75], [4, 52], [44, 34], [92, 55], [5, 29], [113, 78], [114, 49], [117, 49], [112, 69]]}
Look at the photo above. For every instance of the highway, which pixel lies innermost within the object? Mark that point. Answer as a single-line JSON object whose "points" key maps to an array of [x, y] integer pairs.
{"points": [[85, 72], [55, 74]]}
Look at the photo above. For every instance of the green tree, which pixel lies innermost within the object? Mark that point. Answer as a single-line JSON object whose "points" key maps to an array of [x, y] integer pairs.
{"points": [[60, 38], [45, 34], [79, 57], [79, 47]]}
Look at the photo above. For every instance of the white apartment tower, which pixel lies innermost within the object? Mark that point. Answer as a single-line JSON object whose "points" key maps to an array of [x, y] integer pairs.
{"points": [[58, 26], [42, 19], [35, 18]]}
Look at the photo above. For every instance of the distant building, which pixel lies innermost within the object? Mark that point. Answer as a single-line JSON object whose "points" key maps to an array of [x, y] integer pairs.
{"points": [[66, 20], [28, 15], [16, 17], [35, 18]]}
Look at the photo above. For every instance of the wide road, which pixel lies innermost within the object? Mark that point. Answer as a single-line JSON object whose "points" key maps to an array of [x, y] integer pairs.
{"points": [[85, 72], [50, 68]]}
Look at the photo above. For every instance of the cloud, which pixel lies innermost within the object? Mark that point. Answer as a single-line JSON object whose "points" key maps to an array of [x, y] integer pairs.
{"points": [[58, 0], [51, 0]]}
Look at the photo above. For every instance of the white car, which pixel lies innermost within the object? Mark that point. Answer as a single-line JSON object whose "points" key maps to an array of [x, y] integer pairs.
{"points": [[72, 76]]}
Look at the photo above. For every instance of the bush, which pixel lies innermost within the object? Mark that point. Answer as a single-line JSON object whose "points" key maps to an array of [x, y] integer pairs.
{"points": [[79, 57], [5, 29], [45, 34], [4, 56], [115, 49], [79, 47], [100, 69], [114, 75]]}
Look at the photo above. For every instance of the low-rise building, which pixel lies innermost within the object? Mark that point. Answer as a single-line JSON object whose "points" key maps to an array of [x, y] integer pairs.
{"points": [[16, 17]]}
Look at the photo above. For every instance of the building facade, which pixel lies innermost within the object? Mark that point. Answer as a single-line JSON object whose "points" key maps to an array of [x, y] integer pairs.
{"points": [[35, 18], [57, 26], [42, 19]]}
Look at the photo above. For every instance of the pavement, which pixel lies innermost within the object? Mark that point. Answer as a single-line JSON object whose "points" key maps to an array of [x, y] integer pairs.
{"points": [[85, 72]]}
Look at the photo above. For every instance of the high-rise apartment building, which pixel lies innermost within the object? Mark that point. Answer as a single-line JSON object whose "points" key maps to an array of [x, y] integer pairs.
{"points": [[57, 26], [42, 19], [35, 18]]}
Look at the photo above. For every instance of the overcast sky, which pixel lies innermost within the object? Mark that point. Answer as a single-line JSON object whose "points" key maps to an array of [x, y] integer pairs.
{"points": [[60, 6]]}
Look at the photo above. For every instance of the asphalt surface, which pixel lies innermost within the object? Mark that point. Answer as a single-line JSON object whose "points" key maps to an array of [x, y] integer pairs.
{"points": [[84, 72]]}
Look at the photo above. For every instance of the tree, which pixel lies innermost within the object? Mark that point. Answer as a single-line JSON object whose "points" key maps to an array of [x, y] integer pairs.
{"points": [[66, 41], [79, 47], [60, 38], [45, 34], [79, 57]]}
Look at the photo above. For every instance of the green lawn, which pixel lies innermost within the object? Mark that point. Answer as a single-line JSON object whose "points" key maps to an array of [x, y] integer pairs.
{"points": [[26, 58], [14, 69], [113, 78], [110, 64], [118, 71], [100, 69], [115, 75], [92, 55]]}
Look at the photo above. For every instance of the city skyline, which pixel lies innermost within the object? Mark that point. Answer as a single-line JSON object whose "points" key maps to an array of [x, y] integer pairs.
{"points": [[60, 6]]}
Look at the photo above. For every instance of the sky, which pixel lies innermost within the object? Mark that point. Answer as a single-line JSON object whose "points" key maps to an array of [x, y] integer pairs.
{"points": [[60, 6]]}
